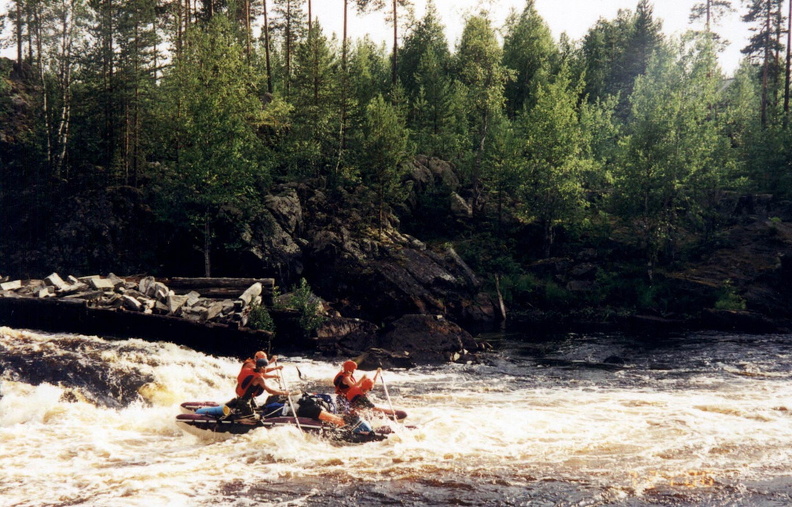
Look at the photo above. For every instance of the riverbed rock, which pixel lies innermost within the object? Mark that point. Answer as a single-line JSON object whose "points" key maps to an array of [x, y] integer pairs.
{"points": [[395, 279], [429, 339], [339, 336], [375, 357]]}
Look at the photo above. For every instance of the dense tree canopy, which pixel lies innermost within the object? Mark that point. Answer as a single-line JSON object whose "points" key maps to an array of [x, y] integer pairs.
{"points": [[202, 113]]}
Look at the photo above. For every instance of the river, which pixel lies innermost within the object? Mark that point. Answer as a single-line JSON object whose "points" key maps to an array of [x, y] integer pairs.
{"points": [[583, 420]]}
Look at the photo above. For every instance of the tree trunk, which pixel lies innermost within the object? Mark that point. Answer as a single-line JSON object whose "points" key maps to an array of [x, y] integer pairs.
{"points": [[64, 80], [395, 41], [501, 304], [136, 110], [248, 44], [765, 67], [207, 247], [267, 49], [45, 105], [108, 75], [288, 47], [30, 30], [20, 38], [709, 13], [787, 66], [342, 126]]}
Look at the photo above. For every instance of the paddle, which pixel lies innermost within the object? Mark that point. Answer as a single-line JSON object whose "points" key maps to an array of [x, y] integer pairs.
{"points": [[387, 396], [281, 378]]}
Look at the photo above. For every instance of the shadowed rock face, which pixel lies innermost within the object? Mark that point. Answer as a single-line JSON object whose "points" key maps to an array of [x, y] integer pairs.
{"points": [[429, 339], [364, 272]]}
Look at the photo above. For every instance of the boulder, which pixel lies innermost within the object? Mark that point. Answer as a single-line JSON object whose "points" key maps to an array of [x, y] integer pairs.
{"points": [[345, 336], [374, 358], [460, 207], [394, 279], [429, 339], [286, 209]]}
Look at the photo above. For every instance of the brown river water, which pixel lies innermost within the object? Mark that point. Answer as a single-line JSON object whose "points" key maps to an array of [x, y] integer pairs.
{"points": [[578, 420]]}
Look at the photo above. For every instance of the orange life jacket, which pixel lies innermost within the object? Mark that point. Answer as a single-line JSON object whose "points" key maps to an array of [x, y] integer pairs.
{"points": [[357, 398], [245, 387], [340, 386]]}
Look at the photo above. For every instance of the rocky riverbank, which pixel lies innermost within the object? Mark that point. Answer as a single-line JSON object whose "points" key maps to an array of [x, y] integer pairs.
{"points": [[369, 275], [212, 315]]}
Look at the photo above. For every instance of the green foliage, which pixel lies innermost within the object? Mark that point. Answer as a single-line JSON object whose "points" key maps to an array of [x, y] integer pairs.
{"points": [[427, 37], [617, 135], [383, 149], [616, 52], [260, 318], [438, 115], [307, 305], [675, 155], [480, 69], [211, 120], [313, 138], [519, 288], [555, 295], [710, 11], [554, 157], [728, 299], [529, 51]]}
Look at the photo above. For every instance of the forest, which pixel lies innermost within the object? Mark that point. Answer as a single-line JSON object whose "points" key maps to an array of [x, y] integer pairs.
{"points": [[199, 109]]}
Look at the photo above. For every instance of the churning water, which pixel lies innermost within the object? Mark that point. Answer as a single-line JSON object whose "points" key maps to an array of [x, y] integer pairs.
{"points": [[703, 419]]}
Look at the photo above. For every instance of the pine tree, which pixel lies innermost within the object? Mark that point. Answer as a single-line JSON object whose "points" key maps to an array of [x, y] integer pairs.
{"points": [[289, 24], [616, 52], [767, 24], [438, 115], [711, 11], [393, 18]]}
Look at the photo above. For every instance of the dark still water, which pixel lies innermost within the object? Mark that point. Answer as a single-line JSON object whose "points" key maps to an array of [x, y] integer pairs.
{"points": [[704, 419]]}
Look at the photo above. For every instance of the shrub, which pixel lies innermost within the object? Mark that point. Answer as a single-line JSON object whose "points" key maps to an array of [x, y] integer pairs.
{"points": [[306, 303], [729, 299], [260, 318]]}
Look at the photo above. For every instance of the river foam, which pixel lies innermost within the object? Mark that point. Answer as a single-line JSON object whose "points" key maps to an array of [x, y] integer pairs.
{"points": [[87, 421]]}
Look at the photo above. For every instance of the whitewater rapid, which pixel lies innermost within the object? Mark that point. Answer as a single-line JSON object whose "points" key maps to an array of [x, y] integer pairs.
{"points": [[703, 421]]}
